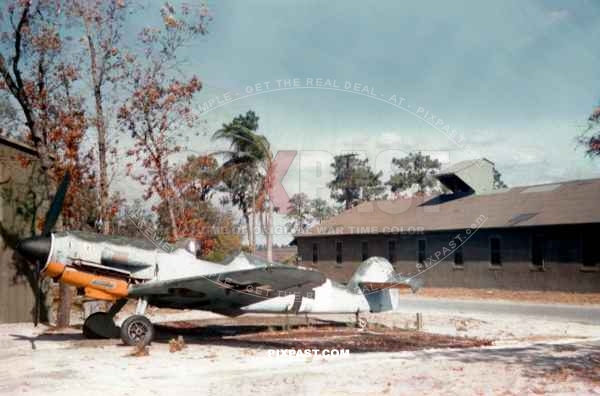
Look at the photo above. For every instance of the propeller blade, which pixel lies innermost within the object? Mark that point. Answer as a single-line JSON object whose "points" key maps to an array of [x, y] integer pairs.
{"points": [[56, 205]]}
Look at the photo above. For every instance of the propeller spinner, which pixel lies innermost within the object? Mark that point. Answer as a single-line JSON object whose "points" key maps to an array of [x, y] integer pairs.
{"points": [[35, 249]]}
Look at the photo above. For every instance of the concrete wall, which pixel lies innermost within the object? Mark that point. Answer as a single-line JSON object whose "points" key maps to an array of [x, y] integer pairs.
{"points": [[562, 269]]}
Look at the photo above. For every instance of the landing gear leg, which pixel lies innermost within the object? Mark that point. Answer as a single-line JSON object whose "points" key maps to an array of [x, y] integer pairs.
{"points": [[101, 325], [137, 329], [142, 304]]}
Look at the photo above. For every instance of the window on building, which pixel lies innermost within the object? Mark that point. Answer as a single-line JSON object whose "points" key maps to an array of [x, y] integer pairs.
{"points": [[391, 251], [458, 257], [567, 250], [338, 252], [590, 257], [315, 253], [364, 250], [537, 250], [421, 251], [495, 256]]}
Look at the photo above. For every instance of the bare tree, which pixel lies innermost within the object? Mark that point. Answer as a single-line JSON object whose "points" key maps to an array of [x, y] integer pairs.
{"points": [[102, 25]]}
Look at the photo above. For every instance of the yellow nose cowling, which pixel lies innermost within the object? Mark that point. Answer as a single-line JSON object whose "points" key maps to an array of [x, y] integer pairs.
{"points": [[95, 286]]}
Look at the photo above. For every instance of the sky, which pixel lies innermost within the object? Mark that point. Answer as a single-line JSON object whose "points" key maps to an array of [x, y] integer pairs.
{"points": [[515, 80]]}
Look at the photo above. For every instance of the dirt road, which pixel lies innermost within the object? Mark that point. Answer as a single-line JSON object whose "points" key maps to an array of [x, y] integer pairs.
{"points": [[561, 312]]}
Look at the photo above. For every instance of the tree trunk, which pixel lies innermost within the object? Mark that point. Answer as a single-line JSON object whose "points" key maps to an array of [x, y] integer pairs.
{"points": [[253, 231], [347, 199], [102, 164], [165, 196], [101, 130], [248, 227], [266, 221], [270, 233], [100, 125], [174, 233]]}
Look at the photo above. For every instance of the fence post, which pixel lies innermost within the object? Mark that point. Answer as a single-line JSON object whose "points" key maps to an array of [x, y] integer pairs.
{"points": [[419, 322]]}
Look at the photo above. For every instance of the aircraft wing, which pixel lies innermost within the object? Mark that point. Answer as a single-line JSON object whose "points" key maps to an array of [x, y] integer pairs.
{"points": [[227, 292]]}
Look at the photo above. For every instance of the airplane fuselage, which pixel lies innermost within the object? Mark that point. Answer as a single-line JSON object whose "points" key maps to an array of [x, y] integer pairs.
{"points": [[107, 267]]}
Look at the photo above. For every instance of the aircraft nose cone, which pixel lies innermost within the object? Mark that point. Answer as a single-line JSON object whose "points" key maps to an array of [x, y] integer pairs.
{"points": [[36, 248]]}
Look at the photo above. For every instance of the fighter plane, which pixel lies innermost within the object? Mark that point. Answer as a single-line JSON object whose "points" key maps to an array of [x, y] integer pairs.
{"points": [[115, 269]]}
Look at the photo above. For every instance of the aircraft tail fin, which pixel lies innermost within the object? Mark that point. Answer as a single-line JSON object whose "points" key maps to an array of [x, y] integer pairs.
{"points": [[376, 280]]}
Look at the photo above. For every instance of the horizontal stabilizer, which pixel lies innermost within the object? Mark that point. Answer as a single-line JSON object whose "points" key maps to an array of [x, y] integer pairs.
{"points": [[373, 286]]}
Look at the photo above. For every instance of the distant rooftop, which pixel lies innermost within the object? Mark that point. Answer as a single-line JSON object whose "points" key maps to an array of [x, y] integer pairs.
{"points": [[570, 202]]}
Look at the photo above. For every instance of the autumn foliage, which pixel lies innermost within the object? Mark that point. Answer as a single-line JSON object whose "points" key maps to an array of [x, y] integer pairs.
{"points": [[159, 108], [74, 80], [41, 79]]}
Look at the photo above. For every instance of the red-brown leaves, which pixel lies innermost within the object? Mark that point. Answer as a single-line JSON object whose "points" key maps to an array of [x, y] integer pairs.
{"points": [[40, 76], [156, 110]]}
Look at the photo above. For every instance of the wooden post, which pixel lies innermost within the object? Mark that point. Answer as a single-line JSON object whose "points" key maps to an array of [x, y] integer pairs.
{"points": [[419, 323], [64, 305]]}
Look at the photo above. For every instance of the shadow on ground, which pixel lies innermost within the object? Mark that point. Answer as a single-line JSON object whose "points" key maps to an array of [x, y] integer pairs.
{"points": [[554, 362], [323, 335], [280, 333]]}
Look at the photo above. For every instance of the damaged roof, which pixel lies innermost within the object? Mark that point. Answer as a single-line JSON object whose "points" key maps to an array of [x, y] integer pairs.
{"points": [[571, 202]]}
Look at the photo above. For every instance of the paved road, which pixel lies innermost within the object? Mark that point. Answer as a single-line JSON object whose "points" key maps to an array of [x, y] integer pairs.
{"points": [[572, 313]]}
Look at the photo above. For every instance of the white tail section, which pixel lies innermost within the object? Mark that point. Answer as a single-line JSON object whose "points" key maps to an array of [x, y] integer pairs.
{"points": [[376, 280]]}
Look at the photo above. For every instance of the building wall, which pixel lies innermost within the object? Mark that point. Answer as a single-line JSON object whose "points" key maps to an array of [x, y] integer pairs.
{"points": [[15, 294], [562, 269]]}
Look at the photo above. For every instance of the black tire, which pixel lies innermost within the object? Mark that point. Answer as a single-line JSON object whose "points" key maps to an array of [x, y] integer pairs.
{"points": [[137, 330], [100, 325]]}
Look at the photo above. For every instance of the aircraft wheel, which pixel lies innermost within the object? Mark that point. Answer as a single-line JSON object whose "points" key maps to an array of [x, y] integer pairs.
{"points": [[100, 325], [137, 330]]}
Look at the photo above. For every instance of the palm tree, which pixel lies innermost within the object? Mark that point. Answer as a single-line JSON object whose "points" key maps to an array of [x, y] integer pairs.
{"points": [[247, 173]]}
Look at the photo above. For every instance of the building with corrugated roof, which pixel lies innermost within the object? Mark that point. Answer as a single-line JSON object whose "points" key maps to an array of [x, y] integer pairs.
{"points": [[539, 237]]}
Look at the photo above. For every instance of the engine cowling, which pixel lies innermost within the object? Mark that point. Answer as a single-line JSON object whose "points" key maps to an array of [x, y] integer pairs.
{"points": [[95, 286]]}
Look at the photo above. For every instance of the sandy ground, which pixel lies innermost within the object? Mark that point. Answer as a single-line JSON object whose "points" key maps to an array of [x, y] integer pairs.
{"points": [[528, 357]]}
